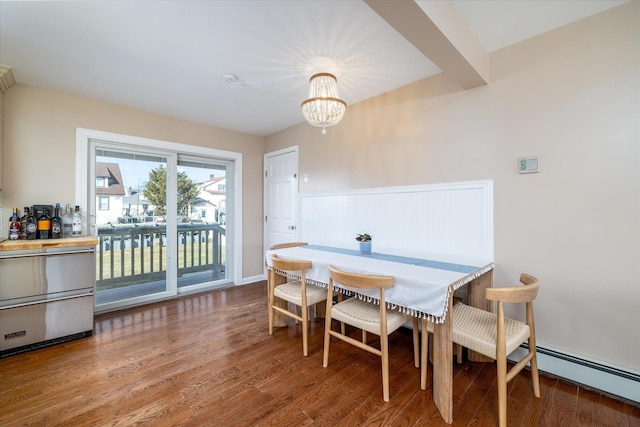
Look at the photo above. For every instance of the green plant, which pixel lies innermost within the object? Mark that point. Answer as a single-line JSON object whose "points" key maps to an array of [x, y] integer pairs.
{"points": [[363, 237], [155, 191]]}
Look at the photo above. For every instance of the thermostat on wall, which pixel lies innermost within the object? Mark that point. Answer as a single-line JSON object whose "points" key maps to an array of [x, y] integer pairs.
{"points": [[528, 164]]}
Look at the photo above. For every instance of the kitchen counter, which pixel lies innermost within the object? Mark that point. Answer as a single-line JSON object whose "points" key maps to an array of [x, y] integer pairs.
{"points": [[15, 245]]}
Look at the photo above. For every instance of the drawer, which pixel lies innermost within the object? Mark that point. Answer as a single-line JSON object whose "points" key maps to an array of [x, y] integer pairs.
{"points": [[46, 274], [45, 321]]}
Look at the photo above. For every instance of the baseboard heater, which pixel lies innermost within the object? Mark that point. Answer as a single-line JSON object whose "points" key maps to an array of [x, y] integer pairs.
{"points": [[590, 374]]}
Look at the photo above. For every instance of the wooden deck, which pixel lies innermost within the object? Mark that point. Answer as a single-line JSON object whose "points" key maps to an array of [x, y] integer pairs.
{"points": [[207, 360]]}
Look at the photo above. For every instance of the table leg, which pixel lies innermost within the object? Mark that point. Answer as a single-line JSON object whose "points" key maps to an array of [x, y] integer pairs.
{"points": [[321, 309], [476, 299], [275, 279], [443, 367]]}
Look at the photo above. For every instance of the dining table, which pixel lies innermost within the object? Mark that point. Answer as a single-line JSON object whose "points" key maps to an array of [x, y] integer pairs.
{"points": [[424, 288]]}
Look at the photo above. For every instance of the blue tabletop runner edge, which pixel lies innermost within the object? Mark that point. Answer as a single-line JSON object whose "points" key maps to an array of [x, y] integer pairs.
{"points": [[459, 268]]}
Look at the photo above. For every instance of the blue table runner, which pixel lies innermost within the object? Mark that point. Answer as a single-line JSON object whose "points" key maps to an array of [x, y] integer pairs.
{"points": [[458, 268]]}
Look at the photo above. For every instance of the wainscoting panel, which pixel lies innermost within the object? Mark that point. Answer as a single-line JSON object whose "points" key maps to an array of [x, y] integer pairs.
{"points": [[453, 220]]}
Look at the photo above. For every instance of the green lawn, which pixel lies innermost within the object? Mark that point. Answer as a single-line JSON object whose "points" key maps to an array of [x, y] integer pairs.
{"points": [[140, 263]]}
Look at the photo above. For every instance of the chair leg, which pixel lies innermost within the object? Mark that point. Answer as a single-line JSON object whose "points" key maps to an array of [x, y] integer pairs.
{"points": [[384, 347], [457, 347], [534, 369], [501, 365], [342, 327], [305, 331], [423, 355], [327, 337], [416, 341], [364, 336], [270, 311]]}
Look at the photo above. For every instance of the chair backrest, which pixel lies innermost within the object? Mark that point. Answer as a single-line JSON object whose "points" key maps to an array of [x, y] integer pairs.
{"points": [[362, 281], [287, 245], [290, 264], [516, 294]]}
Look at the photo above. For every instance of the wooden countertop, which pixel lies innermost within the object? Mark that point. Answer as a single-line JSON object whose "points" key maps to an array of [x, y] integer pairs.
{"points": [[15, 245]]}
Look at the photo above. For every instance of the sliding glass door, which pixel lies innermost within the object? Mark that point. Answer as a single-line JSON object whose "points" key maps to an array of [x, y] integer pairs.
{"points": [[201, 210], [161, 218], [130, 205]]}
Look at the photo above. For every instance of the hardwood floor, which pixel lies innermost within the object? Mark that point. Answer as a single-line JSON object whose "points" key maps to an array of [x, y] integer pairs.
{"points": [[208, 360]]}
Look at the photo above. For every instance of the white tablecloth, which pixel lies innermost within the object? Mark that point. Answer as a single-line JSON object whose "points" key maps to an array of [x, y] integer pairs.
{"points": [[419, 291]]}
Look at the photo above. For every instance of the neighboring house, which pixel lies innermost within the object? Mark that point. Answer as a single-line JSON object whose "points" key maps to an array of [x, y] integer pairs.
{"points": [[109, 193], [135, 205], [210, 206]]}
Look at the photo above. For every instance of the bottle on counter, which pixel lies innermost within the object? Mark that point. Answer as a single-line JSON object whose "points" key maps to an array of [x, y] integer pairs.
{"points": [[23, 223], [14, 226], [67, 222], [44, 225], [32, 225], [77, 223], [56, 223]]}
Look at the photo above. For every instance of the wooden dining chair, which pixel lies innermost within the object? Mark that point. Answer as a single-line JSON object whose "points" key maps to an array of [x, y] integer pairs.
{"points": [[287, 245], [290, 245], [296, 292], [369, 317], [497, 336]]}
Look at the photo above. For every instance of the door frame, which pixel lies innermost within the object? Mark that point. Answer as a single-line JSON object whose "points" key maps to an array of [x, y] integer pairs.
{"points": [[265, 198], [83, 136]]}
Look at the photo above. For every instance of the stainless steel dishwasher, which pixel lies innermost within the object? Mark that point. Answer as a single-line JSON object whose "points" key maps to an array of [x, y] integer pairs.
{"points": [[46, 297]]}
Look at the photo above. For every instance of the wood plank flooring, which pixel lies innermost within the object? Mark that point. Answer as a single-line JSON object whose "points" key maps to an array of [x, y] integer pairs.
{"points": [[208, 360]]}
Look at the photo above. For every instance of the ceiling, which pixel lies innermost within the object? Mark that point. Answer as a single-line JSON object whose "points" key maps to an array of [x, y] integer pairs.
{"points": [[170, 57]]}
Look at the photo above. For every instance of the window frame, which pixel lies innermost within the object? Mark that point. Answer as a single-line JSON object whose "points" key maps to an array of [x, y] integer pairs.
{"points": [[85, 168], [100, 206]]}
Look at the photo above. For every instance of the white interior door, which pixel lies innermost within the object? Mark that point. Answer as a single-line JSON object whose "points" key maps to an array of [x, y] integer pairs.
{"points": [[281, 196]]}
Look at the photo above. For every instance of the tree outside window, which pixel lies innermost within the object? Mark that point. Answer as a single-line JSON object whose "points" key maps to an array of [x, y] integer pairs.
{"points": [[155, 191]]}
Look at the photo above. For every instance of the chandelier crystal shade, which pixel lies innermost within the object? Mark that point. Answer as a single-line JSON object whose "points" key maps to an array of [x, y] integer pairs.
{"points": [[324, 106]]}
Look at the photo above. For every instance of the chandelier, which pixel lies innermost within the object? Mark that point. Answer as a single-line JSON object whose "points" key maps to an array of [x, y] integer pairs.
{"points": [[324, 107]]}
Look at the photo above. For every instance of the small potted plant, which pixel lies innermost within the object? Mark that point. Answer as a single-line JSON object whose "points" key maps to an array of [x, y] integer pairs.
{"points": [[365, 243]]}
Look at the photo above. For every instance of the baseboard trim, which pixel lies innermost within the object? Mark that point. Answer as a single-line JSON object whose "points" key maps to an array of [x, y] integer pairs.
{"points": [[591, 374], [253, 279]]}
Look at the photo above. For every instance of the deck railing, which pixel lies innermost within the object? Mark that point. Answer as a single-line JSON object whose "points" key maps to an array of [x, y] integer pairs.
{"points": [[137, 253]]}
